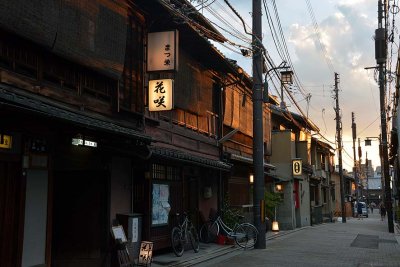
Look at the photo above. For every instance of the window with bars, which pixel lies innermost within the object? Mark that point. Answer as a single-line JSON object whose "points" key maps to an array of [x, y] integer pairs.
{"points": [[323, 162], [163, 172], [23, 58], [130, 92]]}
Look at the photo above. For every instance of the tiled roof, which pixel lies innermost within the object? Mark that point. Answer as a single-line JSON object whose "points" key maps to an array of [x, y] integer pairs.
{"points": [[39, 105], [182, 156]]}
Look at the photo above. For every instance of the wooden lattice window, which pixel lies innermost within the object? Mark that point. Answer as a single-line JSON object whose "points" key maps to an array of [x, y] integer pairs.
{"points": [[163, 172]]}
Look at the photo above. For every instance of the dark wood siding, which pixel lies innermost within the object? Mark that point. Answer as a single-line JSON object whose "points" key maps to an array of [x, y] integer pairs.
{"points": [[12, 189]]}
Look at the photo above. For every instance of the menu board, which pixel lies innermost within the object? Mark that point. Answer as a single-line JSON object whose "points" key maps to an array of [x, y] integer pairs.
{"points": [[118, 233], [161, 206]]}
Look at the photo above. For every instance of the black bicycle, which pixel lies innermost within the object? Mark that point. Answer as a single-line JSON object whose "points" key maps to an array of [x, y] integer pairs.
{"points": [[183, 234]]}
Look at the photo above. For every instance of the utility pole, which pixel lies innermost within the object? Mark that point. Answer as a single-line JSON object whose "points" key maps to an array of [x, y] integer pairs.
{"points": [[339, 139], [354, 131], [258, 136], [366, 174], [380, 56], [360, 193]]}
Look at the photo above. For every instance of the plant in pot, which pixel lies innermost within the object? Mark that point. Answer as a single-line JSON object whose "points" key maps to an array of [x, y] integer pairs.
{"points": [[272, 200], [229, 217]]}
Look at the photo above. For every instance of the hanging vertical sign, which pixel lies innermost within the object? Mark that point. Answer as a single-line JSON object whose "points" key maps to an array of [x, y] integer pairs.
{"points": [[5, 141], [161, 95], [162, 51], [297, 167]]}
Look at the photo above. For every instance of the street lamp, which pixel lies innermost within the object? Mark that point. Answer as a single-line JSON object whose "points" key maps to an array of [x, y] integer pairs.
{"points": [[286, 78]]}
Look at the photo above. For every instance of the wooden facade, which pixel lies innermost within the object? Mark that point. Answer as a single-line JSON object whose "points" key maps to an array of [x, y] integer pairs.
{"points": [[66, 76], [80, 74]]}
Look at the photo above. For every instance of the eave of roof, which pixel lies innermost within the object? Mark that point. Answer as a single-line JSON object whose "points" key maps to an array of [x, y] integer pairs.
{"points": [[39, 105], [182, 156], [249, 160], [305, 122]]}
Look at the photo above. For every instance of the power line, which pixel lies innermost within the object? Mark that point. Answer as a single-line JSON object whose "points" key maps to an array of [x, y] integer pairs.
{"points": [[318, 34]]}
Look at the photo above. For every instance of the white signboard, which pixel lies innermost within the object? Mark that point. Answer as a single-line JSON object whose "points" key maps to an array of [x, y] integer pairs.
{"points": [[118, 233], [81, 142], [135, 230], [162, 51], [161, 95], [297, 167]]}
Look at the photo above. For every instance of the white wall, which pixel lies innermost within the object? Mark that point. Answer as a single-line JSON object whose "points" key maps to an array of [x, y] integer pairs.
{"points": [[34, 247], [304, 188]]}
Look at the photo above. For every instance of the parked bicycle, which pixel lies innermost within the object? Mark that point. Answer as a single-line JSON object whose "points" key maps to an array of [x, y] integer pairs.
{"points": [[183, 234], [244, 234]]}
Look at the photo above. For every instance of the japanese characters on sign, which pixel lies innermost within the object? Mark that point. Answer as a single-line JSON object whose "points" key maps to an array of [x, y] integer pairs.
{"points": [[5, 141], [162, 51], [146, 253], [297, 167], [161, 95], [82, 142]]}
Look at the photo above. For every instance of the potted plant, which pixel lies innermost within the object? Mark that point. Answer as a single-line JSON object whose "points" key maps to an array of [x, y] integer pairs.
{"points": [[272, 200], [229, 217]]}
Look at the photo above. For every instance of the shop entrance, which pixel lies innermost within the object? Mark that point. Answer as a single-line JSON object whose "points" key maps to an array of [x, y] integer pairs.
{"points": [[11, 213], [80, 218], [191, 195]]}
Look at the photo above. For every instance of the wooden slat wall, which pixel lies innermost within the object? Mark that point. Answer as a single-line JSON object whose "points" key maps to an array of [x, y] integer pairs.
{"points": [[12, 189], [90, 32]]}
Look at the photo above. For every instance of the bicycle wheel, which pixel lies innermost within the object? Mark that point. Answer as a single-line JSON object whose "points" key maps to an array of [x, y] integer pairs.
{"points": [[209, 232], [245, 235], [176, 241], [203, 234], [194, 238]]}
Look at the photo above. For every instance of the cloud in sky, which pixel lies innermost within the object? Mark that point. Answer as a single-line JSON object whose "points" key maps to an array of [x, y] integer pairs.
{"points": [[347, 37], [346, 29]]}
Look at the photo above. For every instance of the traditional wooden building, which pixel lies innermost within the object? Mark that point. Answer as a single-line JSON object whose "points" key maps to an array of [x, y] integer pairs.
{"points": [[71, 93], [79, 143], [186, 160]]}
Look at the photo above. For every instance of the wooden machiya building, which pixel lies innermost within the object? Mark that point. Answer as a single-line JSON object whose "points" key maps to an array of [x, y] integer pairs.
{"points": [[186, 163], [72, 128], [78, 142], [210, 129]]}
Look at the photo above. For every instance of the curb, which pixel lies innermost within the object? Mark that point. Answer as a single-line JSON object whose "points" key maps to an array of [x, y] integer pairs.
{"points": [[287, 232]]}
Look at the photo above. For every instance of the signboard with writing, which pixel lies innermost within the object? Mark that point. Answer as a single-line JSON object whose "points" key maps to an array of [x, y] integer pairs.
{"points": [[161, 95], [162, 51], [146, 253], [135, 230], [297, 167], [5, 141], [118, 233]]}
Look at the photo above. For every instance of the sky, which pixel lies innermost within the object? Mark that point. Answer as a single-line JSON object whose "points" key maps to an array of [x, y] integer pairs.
{"points": [[346, 31]]}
